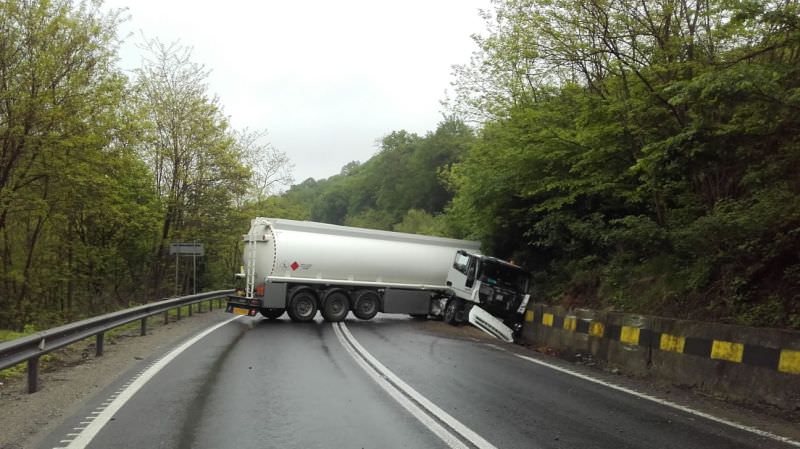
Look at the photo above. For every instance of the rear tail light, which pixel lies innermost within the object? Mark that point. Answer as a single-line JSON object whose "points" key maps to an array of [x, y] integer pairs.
{"points": [[260, 290]]}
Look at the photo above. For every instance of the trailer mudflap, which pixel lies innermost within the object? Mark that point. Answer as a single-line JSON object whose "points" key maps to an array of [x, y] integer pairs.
{"points": [[240, 305], [488, 323]]}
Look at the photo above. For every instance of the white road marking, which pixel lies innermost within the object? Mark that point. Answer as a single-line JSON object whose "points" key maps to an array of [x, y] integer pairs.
{"points": [[449, 439], [434, 410], [86, 436], [665, 402]]}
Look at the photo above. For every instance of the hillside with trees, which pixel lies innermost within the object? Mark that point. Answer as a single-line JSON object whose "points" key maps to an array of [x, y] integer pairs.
{"points": [[640, 156], [400, 188]]}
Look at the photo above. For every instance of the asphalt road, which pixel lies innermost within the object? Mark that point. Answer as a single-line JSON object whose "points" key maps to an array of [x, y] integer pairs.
{"points": [[387, 383]]}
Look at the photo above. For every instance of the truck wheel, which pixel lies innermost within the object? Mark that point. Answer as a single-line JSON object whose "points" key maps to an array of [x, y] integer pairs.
{"points": [[302, 306], [451, 311], [366, 305], [335, 305], [462, 314], [272, 314]]}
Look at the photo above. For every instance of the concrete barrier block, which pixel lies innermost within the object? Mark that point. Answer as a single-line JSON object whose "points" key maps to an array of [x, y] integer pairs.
{"points": [[743, 363], [628, 347]]}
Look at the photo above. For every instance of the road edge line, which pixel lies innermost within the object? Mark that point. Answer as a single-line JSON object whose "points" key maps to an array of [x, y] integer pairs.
{"points": [[683, 408], [87, 434]]}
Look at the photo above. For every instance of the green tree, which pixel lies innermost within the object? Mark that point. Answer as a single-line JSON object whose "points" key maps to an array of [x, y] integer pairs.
{"points": [[74, 201], [199, 168], [635, 154], [271, 168]]}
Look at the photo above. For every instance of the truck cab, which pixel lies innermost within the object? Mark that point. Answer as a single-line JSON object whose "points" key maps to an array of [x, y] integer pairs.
{"points": [[495, 286]]}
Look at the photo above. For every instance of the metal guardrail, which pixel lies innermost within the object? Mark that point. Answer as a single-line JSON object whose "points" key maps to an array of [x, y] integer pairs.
{"points": [[30, 348]]}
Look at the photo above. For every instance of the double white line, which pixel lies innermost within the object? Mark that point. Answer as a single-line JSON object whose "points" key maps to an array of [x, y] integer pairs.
{"points": [[437, 420]]}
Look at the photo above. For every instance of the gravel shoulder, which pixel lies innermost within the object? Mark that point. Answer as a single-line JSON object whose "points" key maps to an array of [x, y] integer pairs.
{"points": [[76, 375]]}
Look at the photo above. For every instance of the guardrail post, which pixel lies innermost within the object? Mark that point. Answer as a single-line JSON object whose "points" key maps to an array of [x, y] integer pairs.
{"points": [[99, 346], [191, 306], [166, 317], [33, 374], [210, 305], [143, 327], [179, 313]]}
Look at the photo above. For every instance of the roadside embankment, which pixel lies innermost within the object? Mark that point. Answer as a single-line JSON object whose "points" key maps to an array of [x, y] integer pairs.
{"points": [[754, 365]]}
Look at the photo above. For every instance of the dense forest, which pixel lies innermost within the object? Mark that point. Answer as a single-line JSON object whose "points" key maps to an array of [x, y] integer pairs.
{"points": [[641, 155], [633, 155], [100, 171]]}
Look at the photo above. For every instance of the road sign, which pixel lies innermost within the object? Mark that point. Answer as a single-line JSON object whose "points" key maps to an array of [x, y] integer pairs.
{"points": [[186, 249]]}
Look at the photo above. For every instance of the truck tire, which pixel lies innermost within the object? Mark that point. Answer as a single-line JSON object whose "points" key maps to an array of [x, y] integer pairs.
{"points": [[451, 311], [462, 314], [271, 314], [302, 305], [335, 305], [366, 304]]}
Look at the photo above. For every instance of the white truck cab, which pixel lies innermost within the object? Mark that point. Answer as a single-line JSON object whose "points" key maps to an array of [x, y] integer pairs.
{"points": [[497, 287]]}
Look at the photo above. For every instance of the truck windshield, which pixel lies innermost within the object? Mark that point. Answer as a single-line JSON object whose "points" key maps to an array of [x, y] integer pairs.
{"points": [[510, 277]]}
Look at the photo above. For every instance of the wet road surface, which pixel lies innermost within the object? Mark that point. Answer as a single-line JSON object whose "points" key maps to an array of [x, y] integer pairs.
{"points": [[254, 383]]}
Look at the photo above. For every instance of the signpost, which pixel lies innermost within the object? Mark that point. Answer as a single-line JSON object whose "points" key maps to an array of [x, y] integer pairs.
{"points": [[187, 249]]}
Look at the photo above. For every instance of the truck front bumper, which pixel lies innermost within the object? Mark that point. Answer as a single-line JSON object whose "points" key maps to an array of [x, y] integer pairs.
{"points": [[490, 324]]}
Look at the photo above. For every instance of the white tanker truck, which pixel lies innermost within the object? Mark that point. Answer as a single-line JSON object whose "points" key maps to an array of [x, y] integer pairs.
{"points": [[300, 267]]}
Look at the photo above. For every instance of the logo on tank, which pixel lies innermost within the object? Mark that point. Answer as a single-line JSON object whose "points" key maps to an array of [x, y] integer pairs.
{"points": [[294, 266]]}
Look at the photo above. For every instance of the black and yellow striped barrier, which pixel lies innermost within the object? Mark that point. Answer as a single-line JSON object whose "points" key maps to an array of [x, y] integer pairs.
{"points": [[780, 359]]}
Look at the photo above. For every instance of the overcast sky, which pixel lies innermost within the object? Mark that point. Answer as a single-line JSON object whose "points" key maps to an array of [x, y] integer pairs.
{"points": [[326, 79]]}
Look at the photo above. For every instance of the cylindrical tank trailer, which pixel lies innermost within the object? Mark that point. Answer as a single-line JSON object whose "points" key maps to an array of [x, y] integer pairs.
{"points": [[301, 250], [300, 267]]}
